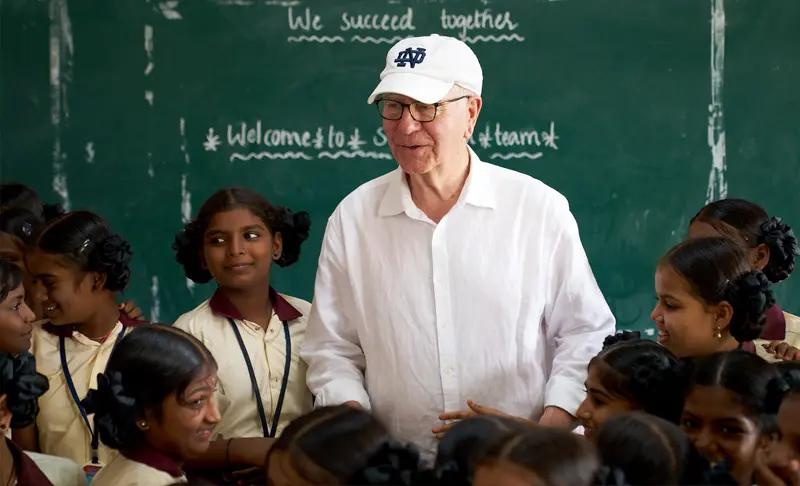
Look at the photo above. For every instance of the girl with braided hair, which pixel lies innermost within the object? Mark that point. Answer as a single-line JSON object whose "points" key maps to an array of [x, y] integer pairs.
{"points": [[710, 299], [727, 415], [253, 330], [154, 404], [80, 265], [771, 248], [20, 389], [780, 465]]}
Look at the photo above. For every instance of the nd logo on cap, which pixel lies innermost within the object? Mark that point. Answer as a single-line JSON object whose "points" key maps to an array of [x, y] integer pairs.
{"points": [[426, 68], [411, 56]]}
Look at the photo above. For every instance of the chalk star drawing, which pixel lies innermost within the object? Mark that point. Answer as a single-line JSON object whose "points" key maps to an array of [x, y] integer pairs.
{"points": [[212, 141], [485, 138]]}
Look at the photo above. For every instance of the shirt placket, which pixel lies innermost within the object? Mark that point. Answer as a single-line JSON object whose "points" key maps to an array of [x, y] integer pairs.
{"points": [[274, 376], [444, 326]]}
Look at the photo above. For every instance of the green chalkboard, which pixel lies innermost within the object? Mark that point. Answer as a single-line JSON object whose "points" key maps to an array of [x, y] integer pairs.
{"points": [[637, 110]]}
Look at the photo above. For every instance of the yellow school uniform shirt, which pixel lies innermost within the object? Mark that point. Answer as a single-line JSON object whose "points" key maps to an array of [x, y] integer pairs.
{"points": [[62, 430], [266, 349], [141, 467]]}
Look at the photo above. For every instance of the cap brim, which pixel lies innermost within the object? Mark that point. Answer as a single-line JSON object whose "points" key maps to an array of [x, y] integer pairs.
{"points": [[416, 86]]}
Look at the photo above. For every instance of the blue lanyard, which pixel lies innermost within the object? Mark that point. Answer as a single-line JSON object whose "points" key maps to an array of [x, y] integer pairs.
{"points": [[76, 398], [268, 432]]}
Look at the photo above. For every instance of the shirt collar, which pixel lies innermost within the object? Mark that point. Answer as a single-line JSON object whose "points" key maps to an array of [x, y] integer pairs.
{"points": [[478, 190], [149, 456], [748, 346], [775, 325], [66, 331], [28, 473], [220, 304]]}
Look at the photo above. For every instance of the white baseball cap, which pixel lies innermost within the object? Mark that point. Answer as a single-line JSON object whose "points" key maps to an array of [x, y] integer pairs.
{"points": [[426, 68]]}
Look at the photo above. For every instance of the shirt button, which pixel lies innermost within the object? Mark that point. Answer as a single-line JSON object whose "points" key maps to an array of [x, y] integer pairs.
{"points": [[272, 331], [448, 371]]}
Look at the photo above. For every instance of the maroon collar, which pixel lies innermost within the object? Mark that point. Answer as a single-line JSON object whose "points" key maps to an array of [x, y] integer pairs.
{"points": [[220, 304], [149, 456], [749, 346], [775, 326], [66, 331], [28, 473]]}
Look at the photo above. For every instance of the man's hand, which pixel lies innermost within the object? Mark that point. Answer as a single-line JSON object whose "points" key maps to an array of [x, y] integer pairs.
{"points": [[354, 404], [556, 417], [782, 350], [473, 411]]}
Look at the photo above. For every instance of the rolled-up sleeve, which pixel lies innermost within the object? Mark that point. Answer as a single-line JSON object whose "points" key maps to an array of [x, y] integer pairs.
{"points": [[332, 349], [577, 316]]}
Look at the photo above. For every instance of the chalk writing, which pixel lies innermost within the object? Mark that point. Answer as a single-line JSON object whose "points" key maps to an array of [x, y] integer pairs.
{"points": [[480, 20], [482, 25], [246, 141], [384, 22], [307, 23]]}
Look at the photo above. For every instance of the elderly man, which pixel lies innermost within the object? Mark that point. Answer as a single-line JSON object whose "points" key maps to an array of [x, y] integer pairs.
{"points": [[450, 279]]}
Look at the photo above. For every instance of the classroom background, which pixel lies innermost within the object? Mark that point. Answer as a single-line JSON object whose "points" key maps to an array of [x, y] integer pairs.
{"points": [[638, 112]]}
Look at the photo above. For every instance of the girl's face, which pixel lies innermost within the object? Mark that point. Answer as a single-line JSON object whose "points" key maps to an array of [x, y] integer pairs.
{"points": [[758, 256], [183, 430], [600, 404], [686, 325], [721, 429], [238, 249], [15, 322], [788, 448], [13, 250], [504, 473], [68, 295]]}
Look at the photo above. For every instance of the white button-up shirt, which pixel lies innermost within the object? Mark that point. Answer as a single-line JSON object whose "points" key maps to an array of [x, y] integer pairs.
{"points": [[496, 303]]}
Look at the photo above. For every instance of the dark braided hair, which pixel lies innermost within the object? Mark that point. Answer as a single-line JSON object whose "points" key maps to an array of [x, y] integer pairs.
{"points": [[188, 244], [717, 269], [151, 363], [22, 386], [15, 195], [333, 445], [87, 241], [20, 223], [646, 373], [750, 224], [747, 376]]}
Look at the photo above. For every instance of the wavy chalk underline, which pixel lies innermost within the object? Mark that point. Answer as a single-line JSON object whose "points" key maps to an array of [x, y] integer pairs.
{"points": [[271, 156], [356, 153], [376, 40], [302, 155], [314, 38], [493, 38], [519, 155]]}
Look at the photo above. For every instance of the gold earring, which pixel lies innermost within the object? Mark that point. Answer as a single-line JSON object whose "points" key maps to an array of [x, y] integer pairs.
{"points": [[143, 426], [719, 333]]}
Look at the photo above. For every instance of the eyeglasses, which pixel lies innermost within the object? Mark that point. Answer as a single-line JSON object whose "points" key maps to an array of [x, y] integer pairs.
{"points": [[421, 112]]}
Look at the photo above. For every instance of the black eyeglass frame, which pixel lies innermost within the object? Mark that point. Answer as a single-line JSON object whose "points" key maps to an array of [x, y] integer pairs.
{"points": [[404, 106]]}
